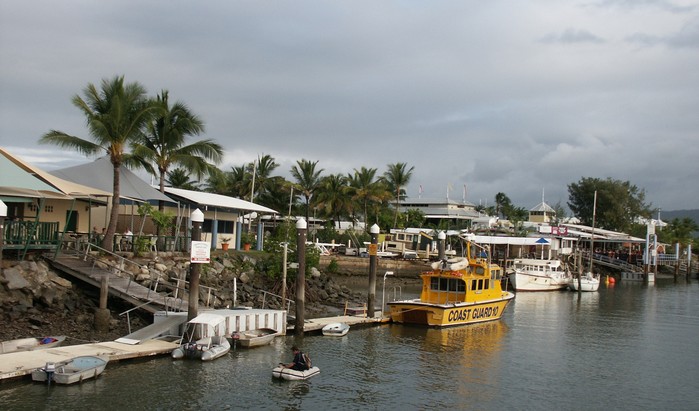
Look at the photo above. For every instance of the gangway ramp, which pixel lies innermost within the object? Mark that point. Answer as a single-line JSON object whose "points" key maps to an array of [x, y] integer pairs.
{"points": [[121, 286], [161, 327]]}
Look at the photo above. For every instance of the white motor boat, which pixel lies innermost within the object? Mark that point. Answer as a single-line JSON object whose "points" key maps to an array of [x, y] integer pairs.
{"points": [[531, 274], [291, 374], [588, 282], [335, 329], [211, 346]]}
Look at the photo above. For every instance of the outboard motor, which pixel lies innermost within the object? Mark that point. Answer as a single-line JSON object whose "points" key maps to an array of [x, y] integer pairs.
{"points": [[49, 369]]}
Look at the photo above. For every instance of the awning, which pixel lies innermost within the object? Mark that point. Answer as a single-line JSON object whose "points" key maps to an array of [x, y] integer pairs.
{"points": [[216, 200], [208, 319]]}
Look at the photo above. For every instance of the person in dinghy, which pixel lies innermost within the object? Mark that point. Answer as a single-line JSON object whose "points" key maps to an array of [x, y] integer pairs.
{"points": [[301, 361]]}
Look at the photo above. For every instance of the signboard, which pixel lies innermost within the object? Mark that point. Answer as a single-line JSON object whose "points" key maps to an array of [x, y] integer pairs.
{"points": [[201, 252], [373, 248]]}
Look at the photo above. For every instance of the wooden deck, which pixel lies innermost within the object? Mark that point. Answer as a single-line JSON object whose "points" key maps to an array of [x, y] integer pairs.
{"points": [[20, 364]]}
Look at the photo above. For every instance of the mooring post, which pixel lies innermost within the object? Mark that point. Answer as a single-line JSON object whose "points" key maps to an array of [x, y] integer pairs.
{"points": [[3, 214], [102, 315], [373, 256], [301, 227]]}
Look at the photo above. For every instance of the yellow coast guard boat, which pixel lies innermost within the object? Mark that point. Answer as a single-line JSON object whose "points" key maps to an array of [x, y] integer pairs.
{"points": [[458, 291]]}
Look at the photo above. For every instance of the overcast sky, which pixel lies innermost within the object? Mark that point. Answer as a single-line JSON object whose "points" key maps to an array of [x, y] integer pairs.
{"points": [[519, 97]]}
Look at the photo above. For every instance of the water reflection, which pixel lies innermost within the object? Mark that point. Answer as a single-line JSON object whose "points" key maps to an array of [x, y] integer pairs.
{"points": [[627, 347]]}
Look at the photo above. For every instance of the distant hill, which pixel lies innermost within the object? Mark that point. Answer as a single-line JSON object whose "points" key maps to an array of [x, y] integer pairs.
{"points": [[668, 216]]}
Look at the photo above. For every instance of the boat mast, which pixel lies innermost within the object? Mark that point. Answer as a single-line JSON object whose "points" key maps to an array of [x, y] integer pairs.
{"points": [[592, 235]]}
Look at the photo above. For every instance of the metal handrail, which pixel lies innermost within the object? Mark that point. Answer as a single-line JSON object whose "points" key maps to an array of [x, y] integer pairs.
{"points": [[121, 264], [264, 300]]}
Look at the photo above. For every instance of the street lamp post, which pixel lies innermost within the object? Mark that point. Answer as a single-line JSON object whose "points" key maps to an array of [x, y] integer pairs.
{"points": [[301, 227], [197, 218], [3, 214], [441, 246], [374, 231], [383, 292]]}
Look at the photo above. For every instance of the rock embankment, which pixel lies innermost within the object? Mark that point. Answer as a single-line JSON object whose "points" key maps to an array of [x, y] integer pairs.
{"points": [[35, 300]]}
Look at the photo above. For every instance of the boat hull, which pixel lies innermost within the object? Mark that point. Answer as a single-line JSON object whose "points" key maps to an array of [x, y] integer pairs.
{"points": [[586, 284], [73, 371], [291, 375], [335, 330], [446, 315], [527, 282], [256, 338], [204, 352], [30, 344]]}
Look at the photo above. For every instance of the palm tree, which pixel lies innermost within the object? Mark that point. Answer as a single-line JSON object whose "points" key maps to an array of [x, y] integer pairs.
{"points": [[365, 190], [164, 143], [307, 180], [396, 177], [502, 202], [332, 196], [218, 182], [117, 115], [179, 178], [262, 170]]}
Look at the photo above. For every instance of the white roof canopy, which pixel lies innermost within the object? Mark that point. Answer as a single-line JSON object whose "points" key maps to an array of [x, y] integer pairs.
{"points": [[217, 200]]}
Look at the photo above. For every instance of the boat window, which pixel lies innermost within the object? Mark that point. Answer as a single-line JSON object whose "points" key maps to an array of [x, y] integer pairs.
{"points": [[447, 284], [480, 270], [479, 285]]}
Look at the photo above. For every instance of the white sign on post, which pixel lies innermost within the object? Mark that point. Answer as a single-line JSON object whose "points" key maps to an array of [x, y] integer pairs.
{"points": [[201, 252]]}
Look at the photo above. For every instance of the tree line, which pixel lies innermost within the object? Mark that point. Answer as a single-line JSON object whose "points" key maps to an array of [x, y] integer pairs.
{"points": [[145, 132]]}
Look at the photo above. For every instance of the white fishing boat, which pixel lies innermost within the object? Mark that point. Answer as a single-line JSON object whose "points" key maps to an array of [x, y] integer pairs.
{"points": [[588, 282], [76, 369], [533, 274], [32, 343], [291, 374], [255, 338], [335, 329], [210, 346]]}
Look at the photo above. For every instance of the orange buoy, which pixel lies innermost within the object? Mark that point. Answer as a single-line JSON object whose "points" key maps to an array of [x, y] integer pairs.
{"points": [[611, 280]]}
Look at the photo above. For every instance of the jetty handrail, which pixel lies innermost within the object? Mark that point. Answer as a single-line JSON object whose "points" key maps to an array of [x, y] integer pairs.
{"points": [[119, 266], [264, 299], [165, 304]]}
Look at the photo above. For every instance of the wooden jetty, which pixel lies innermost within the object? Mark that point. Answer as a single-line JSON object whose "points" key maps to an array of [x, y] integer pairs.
{"points": [[20, 364], [140, 343]]}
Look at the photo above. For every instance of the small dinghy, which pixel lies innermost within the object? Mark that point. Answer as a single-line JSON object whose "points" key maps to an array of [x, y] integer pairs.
{"points": [[77, 369], [208, 348], [32, 343], [336, 329], [255, 338], [291, 374]]}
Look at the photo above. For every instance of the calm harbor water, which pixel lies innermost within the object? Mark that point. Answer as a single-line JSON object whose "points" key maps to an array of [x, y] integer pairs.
{"points": [[629, 347]]}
